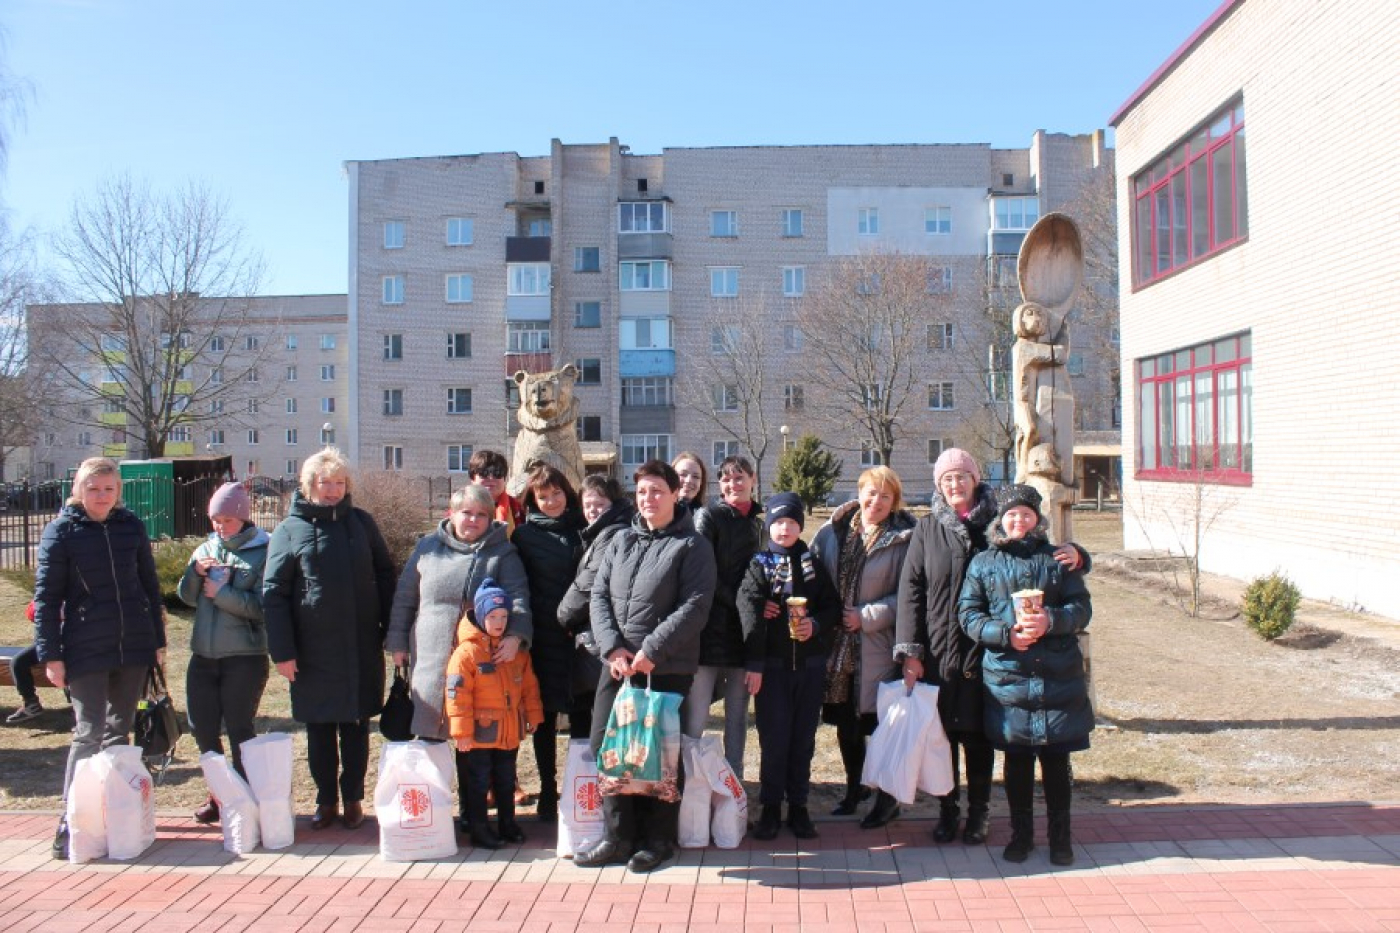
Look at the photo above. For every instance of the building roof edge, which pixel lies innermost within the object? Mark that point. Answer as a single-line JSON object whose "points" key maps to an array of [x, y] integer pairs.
{"points": [[1173, 60]]}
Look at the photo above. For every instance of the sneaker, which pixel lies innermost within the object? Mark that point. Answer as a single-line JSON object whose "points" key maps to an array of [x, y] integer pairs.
{"points": [[26, 712]]}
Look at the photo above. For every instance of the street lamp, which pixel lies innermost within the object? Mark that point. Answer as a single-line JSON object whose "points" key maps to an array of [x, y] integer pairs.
{"points": [[327, 434], [785, 431]]}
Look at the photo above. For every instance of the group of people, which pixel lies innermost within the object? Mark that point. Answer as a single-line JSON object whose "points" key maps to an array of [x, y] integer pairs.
{"points": [[512, 613]]}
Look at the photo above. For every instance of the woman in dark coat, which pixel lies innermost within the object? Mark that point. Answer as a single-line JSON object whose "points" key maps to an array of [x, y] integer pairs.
{"points": [[548, 543], [98, 620], [327, 588]]}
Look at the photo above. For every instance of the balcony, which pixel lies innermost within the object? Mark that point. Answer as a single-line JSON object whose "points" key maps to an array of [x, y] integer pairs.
{"points": [[638, 363], [541, 362], [527, 307], [527, 248], [646, 419], [644, 246], [113, 419]]}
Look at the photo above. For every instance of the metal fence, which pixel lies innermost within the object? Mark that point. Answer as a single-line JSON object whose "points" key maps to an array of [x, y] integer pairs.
{"points": [[24, 511]]}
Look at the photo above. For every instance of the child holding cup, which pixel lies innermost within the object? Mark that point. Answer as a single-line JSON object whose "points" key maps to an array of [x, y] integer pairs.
{"points": [[788, 607], [1026, 610]]}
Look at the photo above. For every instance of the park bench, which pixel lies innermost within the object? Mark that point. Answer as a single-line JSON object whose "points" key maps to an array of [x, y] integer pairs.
{"points": [[41, 679]]}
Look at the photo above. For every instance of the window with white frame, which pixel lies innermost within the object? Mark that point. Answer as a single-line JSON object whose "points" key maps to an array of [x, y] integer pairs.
{"points": [[393, 346], [393, 290], [589, 428], [940, 280], [644, 333], [936, 446], [253, 406], [646, 275], [459, 231], [328, 404], [291, 436], [723, 450], [590, 371], [643, 217], [540, 226], [940, 336], [251, 375], [84, 438], [870, 455], [639, 448], [724, 223], [458, 456], [216, 407], [586, 259], [459, 346], [648, 391], [794, 281], [792, 337], [327, 435], [792, 397], [459, 288], [328, 372], [872, 394], [724, 340], [291, 466], [254, 468], [393, 403], [180, 435], [216, 344], [527, 336], [724, 398], [216, 437], [527, 278], [292, 373], [216, 376], [792, 222], [588, 314], [393, 457], [112, 343], [868, 221], [291, 342], [459, 400], [393, 234], [724, 282], [253, 436], [291, 404], [940, 396], [938, 220], [1015, 213], [328, 341]]}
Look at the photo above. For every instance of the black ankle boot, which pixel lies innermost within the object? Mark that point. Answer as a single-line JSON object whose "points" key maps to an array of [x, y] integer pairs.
{"points": [[1061, 845], [885, 809], [769, 822], [855, 793], [1022, 842], [978, 824], [947, 828], [800, 822]]}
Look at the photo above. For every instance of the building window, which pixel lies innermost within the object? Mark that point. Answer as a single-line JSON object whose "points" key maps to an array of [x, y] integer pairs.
{"points": [[112, 343], [393, 234], [643, 216], [253, 406], [792, 222], [327, 435], [180, 435], [253, 436], [393, 457], [328, 405], [1015, 213], [1075, 364], [644, 333], [724, 223], [870, 455], [648, 392], [527, 336], [589, 428], [459, 346], [216, 376], [940, 336], [291, 406], [540, 226], [724, 398], [792, 337], [527, 278], [216, 345], [292, 464], [792, 397], [722, 450], [639, 448], [651, 275], [1195, 413], [216, 407], [393, 290], [938, 220], [459, 401], [291, 435], [642, 185], [393, 403], [291, 342], [940, 396], [588, 314], [1191, 202], [868, 221], [216, 437], [393, 346], [794, 281], [459, 289], [458, 456], [459, 231], [936, 446], [590, 371], [251, 375], [872, 394], [291, 373], [328, 341], [724, 282], [940, 280], [586, 259], [724, 340], [328, 372]]}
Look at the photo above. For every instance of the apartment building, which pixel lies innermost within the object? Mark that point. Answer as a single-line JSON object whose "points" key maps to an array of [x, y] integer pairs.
{"points": [[465, 269], [287, 354], [1260, 394]]}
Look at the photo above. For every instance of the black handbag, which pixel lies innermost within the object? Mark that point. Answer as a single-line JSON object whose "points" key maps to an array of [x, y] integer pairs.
{"points": [[157, 726], [396, 718]]}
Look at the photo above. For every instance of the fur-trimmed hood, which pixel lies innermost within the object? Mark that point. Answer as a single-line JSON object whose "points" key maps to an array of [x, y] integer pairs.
{"points": [[982, 516]]}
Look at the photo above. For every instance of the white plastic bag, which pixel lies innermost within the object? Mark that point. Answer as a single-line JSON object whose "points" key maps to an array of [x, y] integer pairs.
{"points": [[729, 802], [580, 803], [895, 753], [693, 824], [268, 761], [87, 810], [131, 803], [936, 764], [238, 811], [414, 803]]}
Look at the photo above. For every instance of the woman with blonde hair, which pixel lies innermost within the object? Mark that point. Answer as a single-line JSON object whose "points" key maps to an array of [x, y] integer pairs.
{"points": [[98, 620], [862, 548], [327, 588]]}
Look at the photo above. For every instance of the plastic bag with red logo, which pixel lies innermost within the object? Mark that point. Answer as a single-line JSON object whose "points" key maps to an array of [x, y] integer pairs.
{"points": [[580, 803], [413, 803], [729, 805], [131, 803], [267, 760], [238, 810], [693, 823]]}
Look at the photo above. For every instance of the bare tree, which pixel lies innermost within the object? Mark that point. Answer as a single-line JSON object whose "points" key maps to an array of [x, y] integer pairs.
{"points": [[729, 385], [1178, 520], [158, 338], [862, 326], [1095, 318], [20, 391]]}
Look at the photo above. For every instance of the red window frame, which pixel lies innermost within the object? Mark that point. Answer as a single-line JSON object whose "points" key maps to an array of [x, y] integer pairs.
{"points": [[1204, 394], [1190, 203]]}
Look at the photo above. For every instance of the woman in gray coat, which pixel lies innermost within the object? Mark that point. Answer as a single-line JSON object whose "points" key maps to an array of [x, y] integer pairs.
{"points": [[436, 587]]}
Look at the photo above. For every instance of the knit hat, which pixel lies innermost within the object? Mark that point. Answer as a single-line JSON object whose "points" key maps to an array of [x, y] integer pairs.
{"points": [[784, 505], [230, 499], [489, 596], [1008, 497], [955, 459]]}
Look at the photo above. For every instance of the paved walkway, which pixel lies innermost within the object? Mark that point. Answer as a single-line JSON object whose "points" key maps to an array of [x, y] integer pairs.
{"points": [[1304, 868]]}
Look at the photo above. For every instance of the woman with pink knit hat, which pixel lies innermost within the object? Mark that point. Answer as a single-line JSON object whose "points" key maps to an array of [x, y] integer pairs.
{"points": [[931, 645]]}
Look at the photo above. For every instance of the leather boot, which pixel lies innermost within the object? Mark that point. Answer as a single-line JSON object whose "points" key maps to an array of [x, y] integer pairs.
{"points": [[1022, 842], [800, 822], [1061, 845], [208, 813], [769, 821], [885, 809], [947, 828], [483, 836], [855, 793], [978, 824]]}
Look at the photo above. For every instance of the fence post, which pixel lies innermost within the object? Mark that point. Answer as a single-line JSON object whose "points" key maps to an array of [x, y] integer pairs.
{"points": [[24, 514]]}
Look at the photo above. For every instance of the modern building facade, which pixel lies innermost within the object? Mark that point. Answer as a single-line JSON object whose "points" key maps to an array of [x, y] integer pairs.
{"points": [[1260, 393], [465, 269]]}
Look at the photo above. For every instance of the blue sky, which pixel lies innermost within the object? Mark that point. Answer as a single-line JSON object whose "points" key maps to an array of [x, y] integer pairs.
{"points": [[264, 101]]}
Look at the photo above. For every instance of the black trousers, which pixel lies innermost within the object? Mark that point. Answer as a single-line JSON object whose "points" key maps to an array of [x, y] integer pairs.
{"points": [[22, 672], [490, 769], [787, 710], [981, 759], [338, 746], [546, 742], [224, 693], [851, 729], [1018, 774], [630, 820]]}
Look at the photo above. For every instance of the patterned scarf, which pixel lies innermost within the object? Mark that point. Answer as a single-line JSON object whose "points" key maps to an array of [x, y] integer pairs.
{"points": [[844, 661]]}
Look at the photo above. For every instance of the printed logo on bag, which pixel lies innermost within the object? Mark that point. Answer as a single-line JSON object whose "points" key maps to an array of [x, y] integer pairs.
{"points": [[637, 754], [142, 785], [415, 806], [732, 784], [626, 712], [610, 758], [588, 802]]}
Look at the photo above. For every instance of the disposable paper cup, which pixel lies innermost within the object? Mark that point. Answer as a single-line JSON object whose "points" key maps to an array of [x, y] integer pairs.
{"points": [[797, 611]]}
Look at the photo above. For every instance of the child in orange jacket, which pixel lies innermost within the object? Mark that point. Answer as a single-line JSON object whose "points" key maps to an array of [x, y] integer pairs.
{"points": [[490, 706]]}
